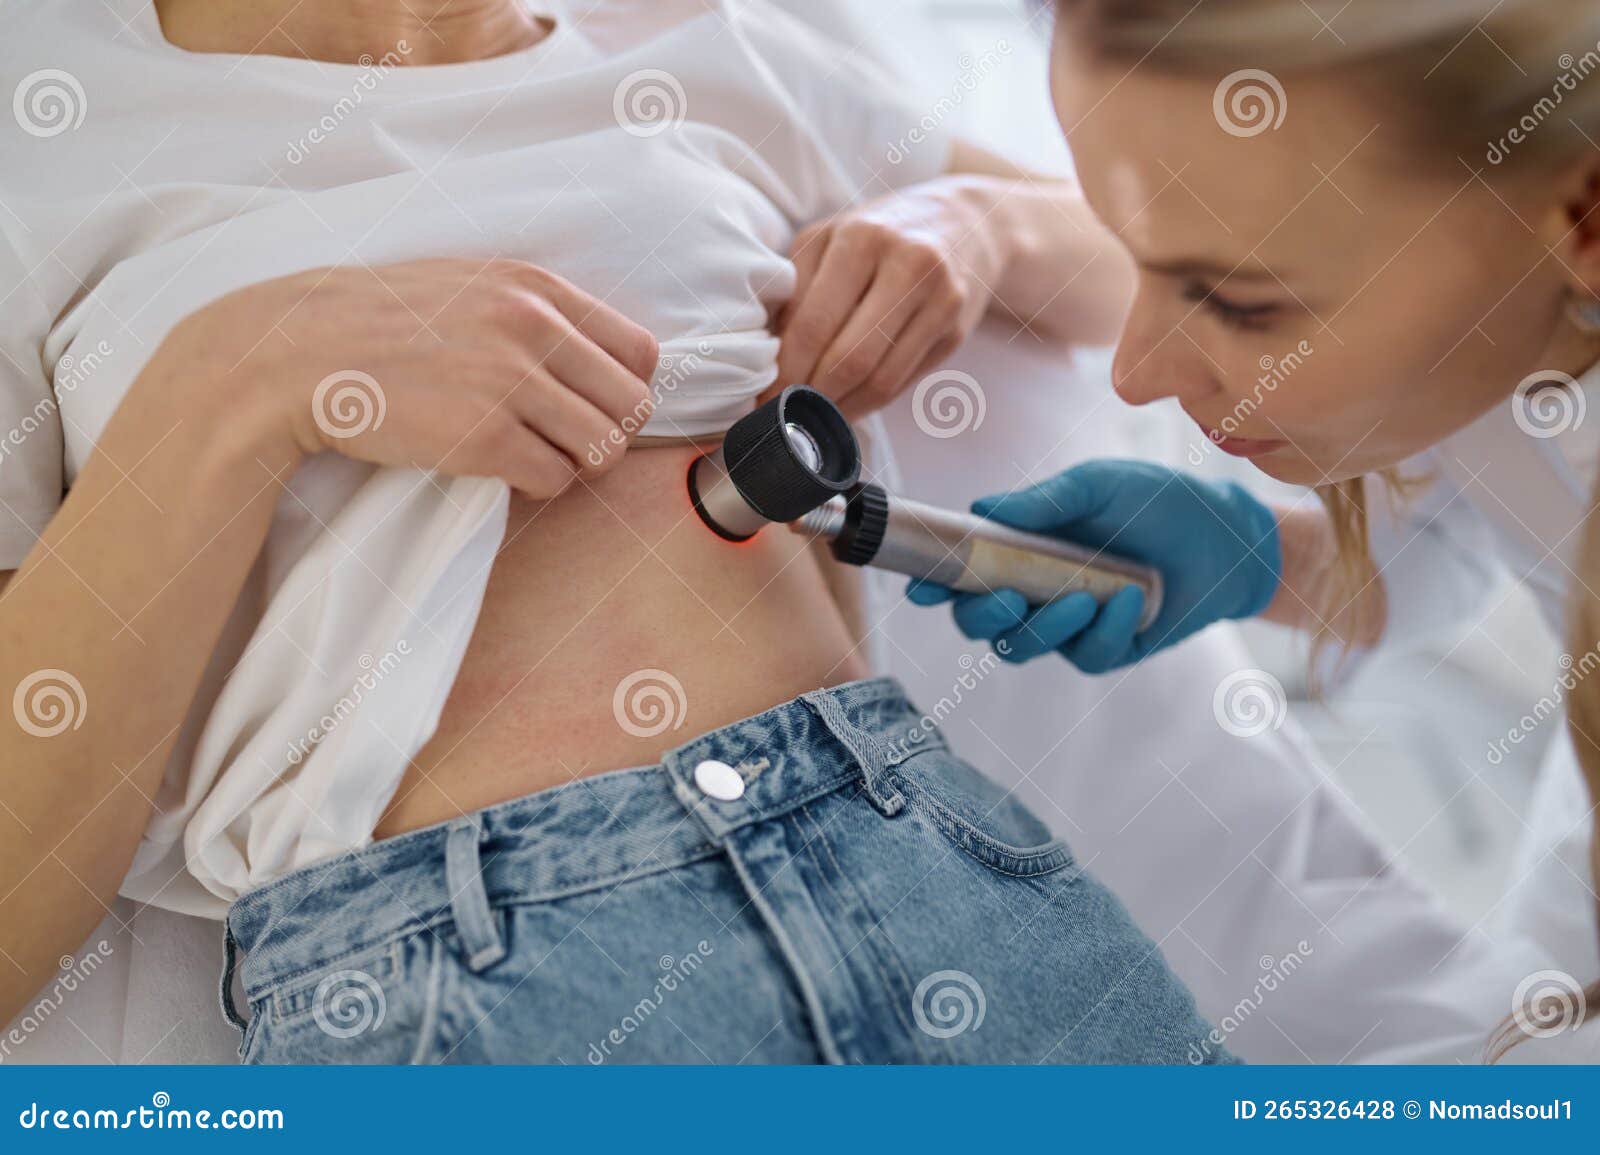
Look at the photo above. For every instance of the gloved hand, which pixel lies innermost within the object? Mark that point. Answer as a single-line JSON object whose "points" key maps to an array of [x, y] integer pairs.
{"points": [[1216, 546]]}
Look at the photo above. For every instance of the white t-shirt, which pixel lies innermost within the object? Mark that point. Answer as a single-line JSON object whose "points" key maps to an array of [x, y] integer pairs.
{"points": [[661, 156]]}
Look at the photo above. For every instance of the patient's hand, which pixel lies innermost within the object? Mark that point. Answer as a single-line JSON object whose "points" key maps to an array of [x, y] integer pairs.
{"points": [[887, 290], [492, 369]]}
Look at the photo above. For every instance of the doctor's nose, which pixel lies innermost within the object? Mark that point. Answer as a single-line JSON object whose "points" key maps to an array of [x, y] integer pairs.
{"points": [[1155, 361]]}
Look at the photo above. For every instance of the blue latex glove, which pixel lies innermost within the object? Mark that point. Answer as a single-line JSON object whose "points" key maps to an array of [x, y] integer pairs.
{"points": [[1216, 546]]}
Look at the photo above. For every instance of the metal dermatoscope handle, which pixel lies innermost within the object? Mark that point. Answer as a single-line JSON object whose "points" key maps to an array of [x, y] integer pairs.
{"points": [[796, 461]]}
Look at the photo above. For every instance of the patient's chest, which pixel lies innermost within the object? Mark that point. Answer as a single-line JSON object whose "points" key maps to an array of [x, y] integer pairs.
{"points": [[660, 228]]}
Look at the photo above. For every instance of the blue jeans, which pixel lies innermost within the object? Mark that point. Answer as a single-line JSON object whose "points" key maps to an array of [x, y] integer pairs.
{"points": [[824, 882]]}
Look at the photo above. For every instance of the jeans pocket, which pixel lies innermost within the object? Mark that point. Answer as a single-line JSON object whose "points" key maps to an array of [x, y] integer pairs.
{"points": [[978, 817], [371, 1005], [252, 1032]]}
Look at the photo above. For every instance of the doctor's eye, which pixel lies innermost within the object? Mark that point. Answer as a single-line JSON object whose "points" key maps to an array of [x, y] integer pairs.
{"points": [[1253, 318]]}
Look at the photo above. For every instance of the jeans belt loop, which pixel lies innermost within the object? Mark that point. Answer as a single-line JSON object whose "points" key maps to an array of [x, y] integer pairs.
{"points": [[475, 921], [868, 751]]}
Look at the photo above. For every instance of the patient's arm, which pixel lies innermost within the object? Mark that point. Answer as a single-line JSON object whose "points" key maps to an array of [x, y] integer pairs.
{"points": [[1316, 594], [107, 626], [1068, 277], [109, 623]]}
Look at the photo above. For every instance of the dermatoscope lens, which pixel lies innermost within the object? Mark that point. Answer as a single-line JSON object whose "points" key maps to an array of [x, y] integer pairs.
{"points": [[776, 464], [804, 445]]}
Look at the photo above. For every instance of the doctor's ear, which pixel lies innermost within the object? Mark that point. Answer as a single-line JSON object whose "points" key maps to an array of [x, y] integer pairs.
{"points": [[1575, 239]]}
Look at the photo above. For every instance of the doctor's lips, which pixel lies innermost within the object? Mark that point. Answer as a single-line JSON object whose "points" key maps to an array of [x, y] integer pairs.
{"points": [[1240, 446]]}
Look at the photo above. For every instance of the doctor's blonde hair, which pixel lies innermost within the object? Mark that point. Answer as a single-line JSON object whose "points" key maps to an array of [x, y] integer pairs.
{"points": [[1508, 87], [1475, 80]]}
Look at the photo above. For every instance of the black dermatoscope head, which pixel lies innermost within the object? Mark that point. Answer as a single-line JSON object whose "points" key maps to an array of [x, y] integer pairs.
{"points": [[776, 464]]}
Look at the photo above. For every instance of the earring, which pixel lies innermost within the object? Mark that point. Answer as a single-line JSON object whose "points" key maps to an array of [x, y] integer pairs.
{"points": [[1585, 313]]}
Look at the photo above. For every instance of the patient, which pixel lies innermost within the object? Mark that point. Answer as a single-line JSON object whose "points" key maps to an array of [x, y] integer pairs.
{"points": [[400, 656]]}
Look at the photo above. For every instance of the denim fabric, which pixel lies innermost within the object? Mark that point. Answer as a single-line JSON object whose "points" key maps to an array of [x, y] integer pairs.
{"points": [[870, 898]]}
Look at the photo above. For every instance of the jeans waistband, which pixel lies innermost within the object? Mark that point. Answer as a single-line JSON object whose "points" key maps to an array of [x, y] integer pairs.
{"points": [[591, 833]]}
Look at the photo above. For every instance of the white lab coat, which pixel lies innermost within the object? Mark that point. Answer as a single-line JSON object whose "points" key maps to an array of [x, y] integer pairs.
{"points": [[1504, 498], [1230, 852]]}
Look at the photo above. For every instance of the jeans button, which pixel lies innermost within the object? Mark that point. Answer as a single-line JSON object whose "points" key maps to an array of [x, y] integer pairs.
{"points": [[719, 780]]}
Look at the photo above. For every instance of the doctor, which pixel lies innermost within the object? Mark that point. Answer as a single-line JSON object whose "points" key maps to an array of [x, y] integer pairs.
{"points": [[1368, 256]]}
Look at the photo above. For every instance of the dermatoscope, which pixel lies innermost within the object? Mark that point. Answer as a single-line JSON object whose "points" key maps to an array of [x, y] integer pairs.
{"points": [[795, 461]]}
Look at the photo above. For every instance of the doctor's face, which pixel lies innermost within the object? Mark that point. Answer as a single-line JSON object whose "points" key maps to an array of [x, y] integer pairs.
{"points": [[1323, 297]]}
